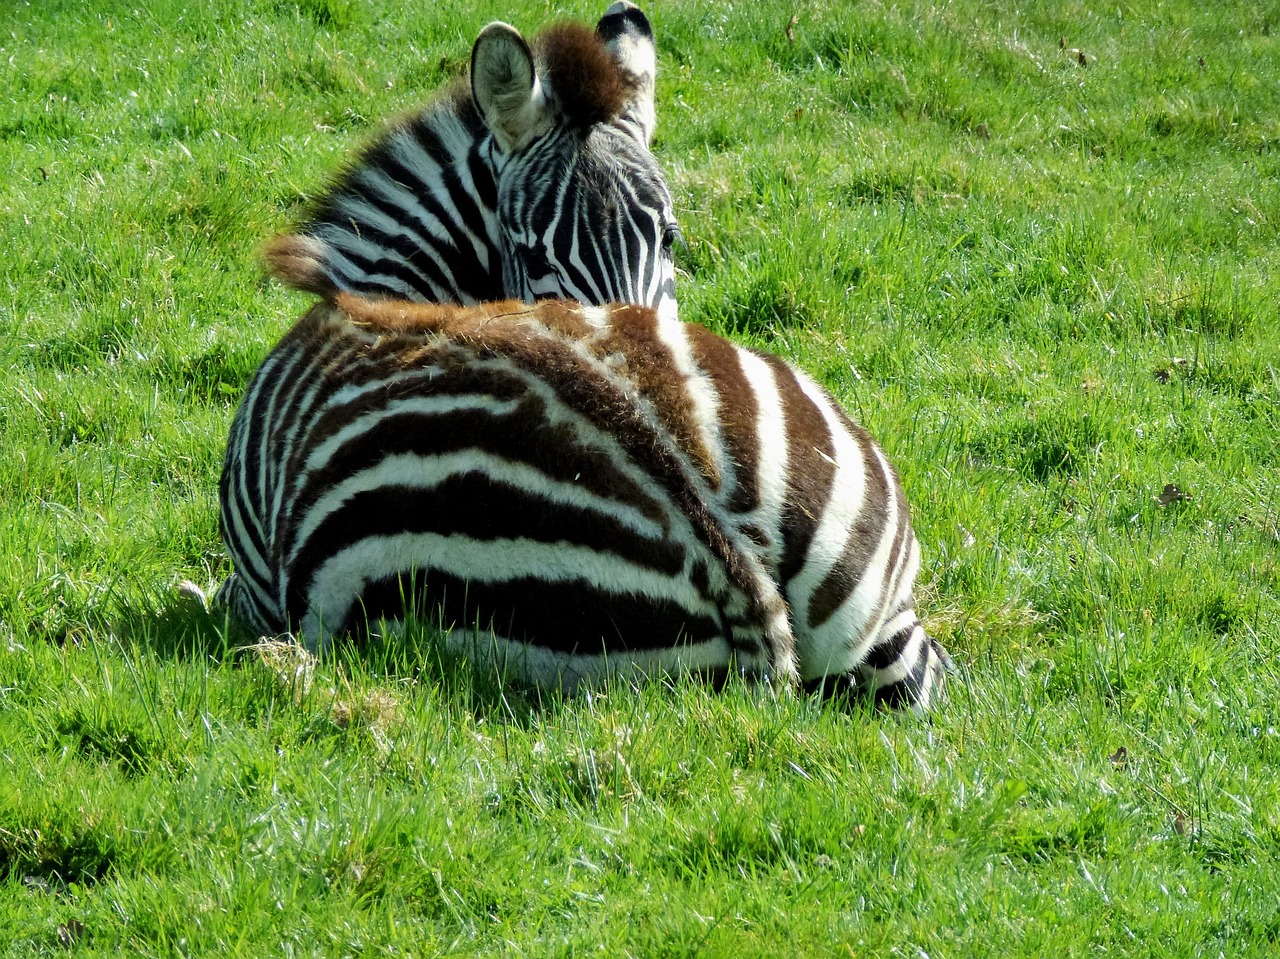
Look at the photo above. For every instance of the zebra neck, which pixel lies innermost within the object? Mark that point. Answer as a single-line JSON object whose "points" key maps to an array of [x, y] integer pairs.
{"points": [[413, 218]]}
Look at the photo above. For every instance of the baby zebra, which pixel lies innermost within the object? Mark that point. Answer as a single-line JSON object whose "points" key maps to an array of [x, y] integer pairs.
{"points": [[534, 179], [607, 489]]}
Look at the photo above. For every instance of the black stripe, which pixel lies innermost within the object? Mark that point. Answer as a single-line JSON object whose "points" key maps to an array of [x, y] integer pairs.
{"points": [[569, 617], [482, 508], [411, 265], [906, 691], [628, 20], [810, 469], [885, 654], [298, 422], [475, 208], [240, 548], [457, 246], [632, 254], [853, 563], [739, 412], [482, 177], [250, 435]]}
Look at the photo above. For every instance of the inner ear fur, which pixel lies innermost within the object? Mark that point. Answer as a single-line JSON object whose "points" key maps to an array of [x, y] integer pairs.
{"points": [[505, 85]]}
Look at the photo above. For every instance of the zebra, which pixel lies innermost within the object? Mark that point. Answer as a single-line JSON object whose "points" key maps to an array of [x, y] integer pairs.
{"points": [[531, 180], [603, 489]]}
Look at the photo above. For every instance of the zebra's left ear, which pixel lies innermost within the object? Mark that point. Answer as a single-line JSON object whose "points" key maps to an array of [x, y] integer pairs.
{"points": [[626, 33], [504, 85]]}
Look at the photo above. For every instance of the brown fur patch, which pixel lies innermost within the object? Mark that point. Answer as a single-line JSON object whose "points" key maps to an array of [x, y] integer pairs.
{"points": [[298, 260], [387, 317], [584, 77], [633, 333], [486, 326], [498, 326]]}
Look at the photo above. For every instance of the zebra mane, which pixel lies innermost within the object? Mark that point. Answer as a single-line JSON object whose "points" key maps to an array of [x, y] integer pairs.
{"points": [[584, 78]]}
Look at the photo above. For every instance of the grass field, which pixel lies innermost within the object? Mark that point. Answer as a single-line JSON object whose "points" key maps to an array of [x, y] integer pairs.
{"points": [[1033, 247]]}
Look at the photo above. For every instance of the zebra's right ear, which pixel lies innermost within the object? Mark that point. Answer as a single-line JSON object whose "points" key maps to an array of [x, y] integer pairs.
{"points": [[628, 36], [505, 87]]}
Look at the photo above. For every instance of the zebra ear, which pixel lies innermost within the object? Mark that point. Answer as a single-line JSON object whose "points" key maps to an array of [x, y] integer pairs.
{"points": [[505, 85], [626, 33]]}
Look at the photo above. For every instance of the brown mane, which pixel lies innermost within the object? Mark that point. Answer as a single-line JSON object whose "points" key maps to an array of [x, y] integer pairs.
{"points": [[582, 74]]}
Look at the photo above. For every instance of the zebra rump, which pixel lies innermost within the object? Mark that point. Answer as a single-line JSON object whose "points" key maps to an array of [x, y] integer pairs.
{"points": [[531, 178], [606, 489]]}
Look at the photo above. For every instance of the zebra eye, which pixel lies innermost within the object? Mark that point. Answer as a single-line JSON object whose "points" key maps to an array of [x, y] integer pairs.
{"points": [[535, 259], [670, 233]]}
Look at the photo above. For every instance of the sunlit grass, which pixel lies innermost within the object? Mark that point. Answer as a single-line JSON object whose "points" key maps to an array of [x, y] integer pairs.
{"points": [[1046, 285]]}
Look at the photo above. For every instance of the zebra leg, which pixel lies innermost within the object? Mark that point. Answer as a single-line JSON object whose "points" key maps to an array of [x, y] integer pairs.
{"points": [[235, 600], [906, 669]]}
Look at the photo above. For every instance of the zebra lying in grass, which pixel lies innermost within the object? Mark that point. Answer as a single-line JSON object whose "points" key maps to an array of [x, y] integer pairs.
{"points": [[607, 489], [532, 180]]}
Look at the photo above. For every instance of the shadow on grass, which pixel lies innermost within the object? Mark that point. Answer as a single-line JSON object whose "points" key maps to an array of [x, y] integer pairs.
{"points": [[175, 625], [421, 651], [178, 626]]}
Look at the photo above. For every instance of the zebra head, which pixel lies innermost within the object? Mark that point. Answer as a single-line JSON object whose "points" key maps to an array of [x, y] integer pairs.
{"points": [[539, 185], [583, 207]]}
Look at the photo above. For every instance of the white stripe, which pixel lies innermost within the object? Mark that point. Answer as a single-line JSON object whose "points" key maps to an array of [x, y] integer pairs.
{"points": [[771, 462], [899, 569], [701, 393], [428, 405], [934, 681], [315, 379], [900, 622], [364, 212], [240, 545], [408, 150], [258, 416], [595, 294], [339, 582], [839, 513], [596, 317], [621, 270], [345, 274], [340, 241]]}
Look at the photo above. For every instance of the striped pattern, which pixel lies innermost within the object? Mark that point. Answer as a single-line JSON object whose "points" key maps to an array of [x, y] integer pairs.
{"points": [[463, 202], [605, 488]]}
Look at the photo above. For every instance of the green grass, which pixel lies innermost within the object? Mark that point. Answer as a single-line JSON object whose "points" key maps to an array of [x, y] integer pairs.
{"points": [[1048, 288]]}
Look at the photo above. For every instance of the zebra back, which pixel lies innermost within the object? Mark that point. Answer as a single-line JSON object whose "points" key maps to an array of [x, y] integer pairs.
{"points": [[606, 488], [531, 179]]}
